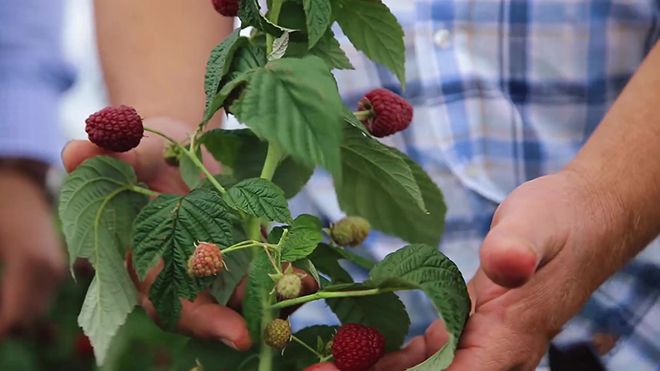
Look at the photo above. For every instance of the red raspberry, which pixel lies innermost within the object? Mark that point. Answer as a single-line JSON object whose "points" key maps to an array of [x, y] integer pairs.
{"points": [[390, 113], [117, 129], [205, 261], [357, 347], [83, 347], [228, 8]]}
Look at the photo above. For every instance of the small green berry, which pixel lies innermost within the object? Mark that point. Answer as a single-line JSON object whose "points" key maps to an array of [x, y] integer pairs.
{"points": [[289, 286], [350, 231]]}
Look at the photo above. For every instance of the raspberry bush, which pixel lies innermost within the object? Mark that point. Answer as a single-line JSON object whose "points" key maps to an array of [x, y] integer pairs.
{"points": [[274, 74]]}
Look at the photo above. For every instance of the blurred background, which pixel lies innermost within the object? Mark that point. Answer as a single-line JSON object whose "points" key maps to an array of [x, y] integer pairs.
{"points": [[55, 342]]}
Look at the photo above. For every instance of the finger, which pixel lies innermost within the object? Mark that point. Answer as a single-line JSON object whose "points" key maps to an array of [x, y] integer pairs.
{"points": [[206, 319], [203, 318], [435, 337], [488, 343], [76, 152], [413, 354], [326, 366], [522, 238]]}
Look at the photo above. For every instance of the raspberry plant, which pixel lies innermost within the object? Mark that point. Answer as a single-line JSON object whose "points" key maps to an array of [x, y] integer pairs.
{"points": [[278, 82]]}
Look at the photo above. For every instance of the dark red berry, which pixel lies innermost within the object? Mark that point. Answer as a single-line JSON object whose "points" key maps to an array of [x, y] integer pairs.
{"points": [[228, 8], [356, 347], [116, 129], [389, 113]]}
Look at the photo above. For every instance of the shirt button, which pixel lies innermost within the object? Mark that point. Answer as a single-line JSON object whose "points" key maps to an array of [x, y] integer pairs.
{"points": [[441, 38]]}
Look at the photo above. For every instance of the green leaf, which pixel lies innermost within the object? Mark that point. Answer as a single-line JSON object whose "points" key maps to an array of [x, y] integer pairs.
{"points": [[352, 257], [189, 171], [243, 154], [296, 357], [227, 90], [373, 29], [384, 312], [328, 49], [326, 261], [97, 209], [258, 294], [308, 266], [261, 198], [302, 238], [219, 62], [168, 228], [295, 103], [225, 283], [430, 226], [424, 267], [248, 57], [209, 353], [279, 47], [350, 119], [250, 14], [319, 17], [372, 173]]}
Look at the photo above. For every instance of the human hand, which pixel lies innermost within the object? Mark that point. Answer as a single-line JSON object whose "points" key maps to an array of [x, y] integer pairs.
{"points": [[30, 251], [539, 264], [203, 318]]}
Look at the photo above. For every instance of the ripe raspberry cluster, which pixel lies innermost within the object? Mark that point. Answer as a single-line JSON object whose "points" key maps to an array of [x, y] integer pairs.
{"points": [[116, 129], [356, 347], [228, 8], [205, 261], [390, 113]]}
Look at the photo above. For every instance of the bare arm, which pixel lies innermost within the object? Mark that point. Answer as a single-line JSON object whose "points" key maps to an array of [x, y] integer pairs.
{"points": [[622, 161], [154, 53]]}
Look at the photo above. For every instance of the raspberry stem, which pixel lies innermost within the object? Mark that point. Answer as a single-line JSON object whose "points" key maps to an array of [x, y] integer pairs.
{"points": [[363, 115], [273, 16], [190, 153], [331, 294], [144, 191], [304, 345]]}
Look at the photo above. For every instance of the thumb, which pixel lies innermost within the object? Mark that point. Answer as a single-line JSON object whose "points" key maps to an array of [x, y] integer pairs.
{"points": [[528, 230]]}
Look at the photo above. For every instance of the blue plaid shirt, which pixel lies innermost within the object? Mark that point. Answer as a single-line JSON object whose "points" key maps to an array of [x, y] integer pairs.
{"points": [[506, 91]]}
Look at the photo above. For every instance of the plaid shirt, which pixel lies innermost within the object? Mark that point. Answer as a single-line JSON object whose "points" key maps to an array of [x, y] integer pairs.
{"points": [[506, 91]]}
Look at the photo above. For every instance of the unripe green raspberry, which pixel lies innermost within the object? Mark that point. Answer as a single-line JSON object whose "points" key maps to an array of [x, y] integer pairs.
{"points": [[277, 333], [172, 154], [350, 231], [289, 286]]}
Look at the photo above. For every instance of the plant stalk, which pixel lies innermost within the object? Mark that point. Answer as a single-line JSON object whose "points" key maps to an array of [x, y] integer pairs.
{"points": [[363, 115], [144, 191], [274, 15], [193, 157], [329, 295], [273, 158]]}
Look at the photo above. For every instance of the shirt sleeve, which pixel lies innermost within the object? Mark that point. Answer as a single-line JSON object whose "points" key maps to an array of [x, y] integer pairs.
{"points": [[33, 76]]}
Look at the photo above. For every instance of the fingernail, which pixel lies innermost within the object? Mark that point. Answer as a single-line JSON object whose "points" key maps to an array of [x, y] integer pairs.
{"points": [[229, 344]]}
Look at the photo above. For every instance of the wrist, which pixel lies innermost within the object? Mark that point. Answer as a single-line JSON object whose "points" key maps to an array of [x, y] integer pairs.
{"points": [[608, 227]]}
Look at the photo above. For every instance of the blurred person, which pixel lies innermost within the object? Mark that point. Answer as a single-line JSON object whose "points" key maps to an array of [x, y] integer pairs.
{"points": [[505, 94], [153, 55], [33, 77]]}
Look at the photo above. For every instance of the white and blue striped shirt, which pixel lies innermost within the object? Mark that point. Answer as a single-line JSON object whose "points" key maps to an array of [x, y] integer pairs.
{"points": [[506, 91]]}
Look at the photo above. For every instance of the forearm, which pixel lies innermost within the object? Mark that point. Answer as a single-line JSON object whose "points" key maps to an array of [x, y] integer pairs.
{"points": [[154, 53], [621, 164]]}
